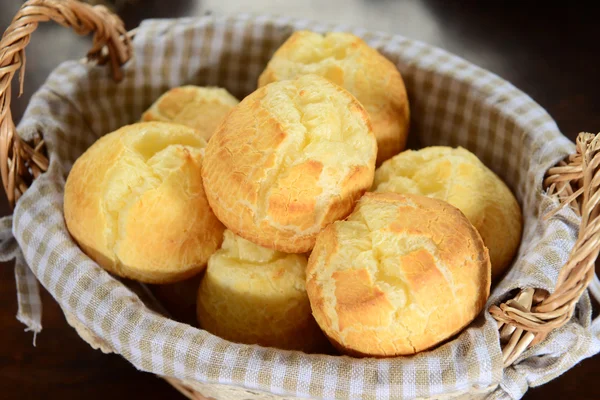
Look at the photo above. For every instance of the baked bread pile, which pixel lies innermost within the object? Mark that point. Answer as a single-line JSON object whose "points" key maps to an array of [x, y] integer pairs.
{"points": [[297, 210]]}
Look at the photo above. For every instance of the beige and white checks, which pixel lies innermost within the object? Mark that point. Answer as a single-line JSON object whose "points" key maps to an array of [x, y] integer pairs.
{"points": [[453, 103]]}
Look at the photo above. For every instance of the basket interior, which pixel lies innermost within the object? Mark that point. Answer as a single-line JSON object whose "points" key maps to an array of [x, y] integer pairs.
{"points": [[452, 103]]}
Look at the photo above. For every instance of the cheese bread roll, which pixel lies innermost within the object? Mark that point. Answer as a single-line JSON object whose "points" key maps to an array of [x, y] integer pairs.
{"points": [[290, 159], [348, 61], [400, 275], [457, 176], [135, 203], [201, 108], [254, 295]]}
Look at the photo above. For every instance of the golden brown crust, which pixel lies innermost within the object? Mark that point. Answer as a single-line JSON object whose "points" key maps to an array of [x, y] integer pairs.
{"points": [[201, 108], [135, 203], [400, 275], [293, 157], [348, 61], [254, 295], [457, 176]]}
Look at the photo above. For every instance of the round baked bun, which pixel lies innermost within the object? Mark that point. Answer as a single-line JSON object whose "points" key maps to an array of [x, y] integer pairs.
{"points": [[201, 108], [290, 159], [457, 176], [254, 295], [135, 203], [348, 61], [400, 275]]}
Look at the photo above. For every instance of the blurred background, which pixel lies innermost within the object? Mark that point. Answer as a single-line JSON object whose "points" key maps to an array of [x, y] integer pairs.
{"points": [[544, 48], [549, 50]]}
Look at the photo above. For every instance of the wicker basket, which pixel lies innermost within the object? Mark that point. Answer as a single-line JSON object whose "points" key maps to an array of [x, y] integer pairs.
{"points": [[525, 319]]}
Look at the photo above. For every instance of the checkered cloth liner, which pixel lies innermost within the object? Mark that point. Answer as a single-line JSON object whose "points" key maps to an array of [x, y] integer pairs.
{"points": [[453, 103]]}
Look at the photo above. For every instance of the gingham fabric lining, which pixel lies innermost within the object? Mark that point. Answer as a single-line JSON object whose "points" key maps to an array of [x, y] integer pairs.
{"points": [[29, 305], [453, 103]]}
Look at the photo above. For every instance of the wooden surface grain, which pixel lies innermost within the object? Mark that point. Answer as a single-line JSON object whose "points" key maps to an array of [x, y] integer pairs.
{"points": [[550, 52]]}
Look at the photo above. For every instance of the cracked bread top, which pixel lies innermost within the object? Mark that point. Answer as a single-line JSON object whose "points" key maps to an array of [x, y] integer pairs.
{"points": [[347, 60], [457, 176], [400, 275], [290, 159], [135, 203]]}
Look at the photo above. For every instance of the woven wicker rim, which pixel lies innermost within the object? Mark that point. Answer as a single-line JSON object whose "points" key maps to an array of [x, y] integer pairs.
{"points": [[523, 321], [23, 162]]}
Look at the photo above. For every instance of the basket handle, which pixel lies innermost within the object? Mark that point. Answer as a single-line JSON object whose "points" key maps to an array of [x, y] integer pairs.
{"points": [[529, 317], [21, 162]]}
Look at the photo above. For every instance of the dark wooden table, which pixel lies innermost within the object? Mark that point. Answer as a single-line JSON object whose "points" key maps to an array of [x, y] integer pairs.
{"points": [[553, 54]]}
